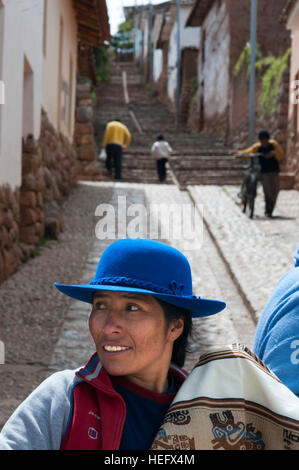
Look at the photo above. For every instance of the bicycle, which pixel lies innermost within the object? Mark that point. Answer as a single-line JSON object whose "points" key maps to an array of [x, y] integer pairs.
{"points": [[249, 186]]}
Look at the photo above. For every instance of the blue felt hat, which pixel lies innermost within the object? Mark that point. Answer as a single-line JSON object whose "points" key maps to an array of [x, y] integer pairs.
{"points": [[145, 267]]}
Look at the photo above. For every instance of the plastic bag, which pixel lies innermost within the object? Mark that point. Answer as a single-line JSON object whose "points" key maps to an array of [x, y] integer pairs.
{"points": [[102, 155]]}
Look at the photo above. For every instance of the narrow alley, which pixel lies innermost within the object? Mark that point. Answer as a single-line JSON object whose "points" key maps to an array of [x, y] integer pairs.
{"points": [[124, 123], [232, 258]]}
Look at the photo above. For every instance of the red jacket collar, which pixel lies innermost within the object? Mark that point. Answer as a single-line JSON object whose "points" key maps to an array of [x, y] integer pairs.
{"points": [[98, 411], [95, 374]]}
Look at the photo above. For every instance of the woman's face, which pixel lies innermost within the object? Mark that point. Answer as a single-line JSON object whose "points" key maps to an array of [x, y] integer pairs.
{"points": [[131, 337]]}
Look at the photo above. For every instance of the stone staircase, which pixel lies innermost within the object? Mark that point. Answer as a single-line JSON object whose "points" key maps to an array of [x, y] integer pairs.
{"points": [[197, 159]]}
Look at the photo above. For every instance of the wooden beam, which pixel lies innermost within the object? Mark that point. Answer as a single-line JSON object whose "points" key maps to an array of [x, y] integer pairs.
{"points": [[92, 20]]}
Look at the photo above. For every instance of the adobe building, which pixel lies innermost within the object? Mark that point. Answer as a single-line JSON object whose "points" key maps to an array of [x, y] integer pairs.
{"points": [[165, 46], [222, 99], [39, 156]]}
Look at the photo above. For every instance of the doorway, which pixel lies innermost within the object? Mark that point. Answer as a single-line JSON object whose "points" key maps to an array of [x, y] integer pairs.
{"points": [[189, 82]]}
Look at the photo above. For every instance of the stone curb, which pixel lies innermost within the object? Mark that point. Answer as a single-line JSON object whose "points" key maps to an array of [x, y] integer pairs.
{"points": [[254, 261]]}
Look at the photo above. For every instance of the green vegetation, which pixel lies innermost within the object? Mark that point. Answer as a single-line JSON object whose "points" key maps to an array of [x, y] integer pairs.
{"points": [[125, 27], [103, 71], [194, 86], [123, 38], [244, 59], [44, 240], [270, 69], [144, 82], [271, 79], [41, 243]]}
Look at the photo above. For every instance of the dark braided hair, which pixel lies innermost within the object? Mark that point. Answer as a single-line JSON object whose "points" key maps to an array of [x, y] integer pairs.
{"points": [[173, 312]]}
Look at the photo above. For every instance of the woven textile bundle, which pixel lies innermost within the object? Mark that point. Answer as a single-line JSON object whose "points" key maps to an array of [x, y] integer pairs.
{"points": [[231, 401]]}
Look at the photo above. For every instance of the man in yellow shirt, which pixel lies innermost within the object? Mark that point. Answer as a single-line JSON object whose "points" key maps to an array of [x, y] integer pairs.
{"points": [[271, 155], [117, 136]]}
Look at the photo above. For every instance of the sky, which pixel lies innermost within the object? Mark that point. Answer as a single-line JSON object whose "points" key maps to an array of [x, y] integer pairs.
{"points": [[115, 10]]}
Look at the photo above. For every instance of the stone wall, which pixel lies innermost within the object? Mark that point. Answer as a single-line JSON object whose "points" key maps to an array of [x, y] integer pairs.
{"points": [[50, 167], [276, 124], [11, 255], [89, 166], [193, 120], [223, 101], [49, 170], [32, 219], [60, 163]]}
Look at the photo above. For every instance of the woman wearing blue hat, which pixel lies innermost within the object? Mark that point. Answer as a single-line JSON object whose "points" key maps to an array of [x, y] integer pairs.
{"points": [[142, 306]]}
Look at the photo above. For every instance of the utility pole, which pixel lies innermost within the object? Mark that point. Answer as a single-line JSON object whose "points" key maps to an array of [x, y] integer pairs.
{"points": [[141, 39], [178, 80], [253, 29], [150, 42], [135, 27]]}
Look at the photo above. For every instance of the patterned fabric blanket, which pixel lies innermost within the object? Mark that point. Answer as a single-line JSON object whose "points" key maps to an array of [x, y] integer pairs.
{"points": [[231, 401]]}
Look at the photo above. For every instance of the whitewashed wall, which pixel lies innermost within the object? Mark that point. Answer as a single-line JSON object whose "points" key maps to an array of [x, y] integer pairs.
{"points": [[21, 37], [138, 44], [215, 73], [31, 76], [57, 10], [158, 64]]}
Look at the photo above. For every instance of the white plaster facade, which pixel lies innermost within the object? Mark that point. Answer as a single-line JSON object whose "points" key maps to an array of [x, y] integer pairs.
{"points": [[158, 64], [21, 71], [138, 44], [189, 37], [157, 53], [38, 57], [215, 73], [59, 64]]}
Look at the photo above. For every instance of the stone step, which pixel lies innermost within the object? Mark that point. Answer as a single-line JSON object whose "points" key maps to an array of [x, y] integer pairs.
{"points": [[184, 167], [186, 176], [197, 165], [287, 180], [197, 159]]}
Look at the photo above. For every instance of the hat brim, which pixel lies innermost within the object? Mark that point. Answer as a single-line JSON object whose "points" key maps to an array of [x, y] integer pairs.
{"points": [[196, 305]]}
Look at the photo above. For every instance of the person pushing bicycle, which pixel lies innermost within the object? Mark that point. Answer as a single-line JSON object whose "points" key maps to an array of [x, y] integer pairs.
{"points": [[271, 154]]}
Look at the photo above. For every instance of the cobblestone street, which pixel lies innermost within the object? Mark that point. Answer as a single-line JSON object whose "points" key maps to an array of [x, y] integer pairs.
{"points": [[252, 260], [210, 280], [232, 258]]}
